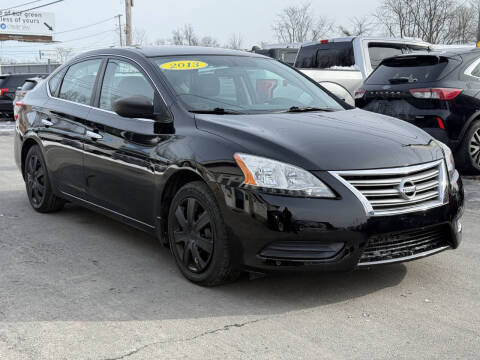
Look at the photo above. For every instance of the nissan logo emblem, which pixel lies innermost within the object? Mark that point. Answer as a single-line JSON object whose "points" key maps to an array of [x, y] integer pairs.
{"points": [[407, 189]]}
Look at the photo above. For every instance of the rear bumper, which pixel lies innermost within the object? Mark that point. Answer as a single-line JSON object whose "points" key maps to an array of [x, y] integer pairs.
{"points": [[276, 233]]}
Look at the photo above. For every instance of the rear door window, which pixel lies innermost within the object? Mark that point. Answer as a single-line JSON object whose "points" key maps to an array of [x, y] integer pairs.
{"points": [[332, 55], [412, 69], [79, 81]]}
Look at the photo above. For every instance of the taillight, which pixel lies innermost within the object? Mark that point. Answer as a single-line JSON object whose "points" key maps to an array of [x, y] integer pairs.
{"points": [[323, 41], [16, 109], [360, 93], [3, 91], [436, 93]]}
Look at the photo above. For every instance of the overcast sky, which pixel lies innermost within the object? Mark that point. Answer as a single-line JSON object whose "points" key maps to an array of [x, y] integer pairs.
{"points": [[252, 19]]}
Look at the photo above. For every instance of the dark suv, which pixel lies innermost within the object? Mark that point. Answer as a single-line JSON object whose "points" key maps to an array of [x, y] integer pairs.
{"points": [[8, 86], [438, 91]]}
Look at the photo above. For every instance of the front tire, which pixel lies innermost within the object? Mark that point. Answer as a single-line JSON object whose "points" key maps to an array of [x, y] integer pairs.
{"points": [[198, 237], [39, 189]]}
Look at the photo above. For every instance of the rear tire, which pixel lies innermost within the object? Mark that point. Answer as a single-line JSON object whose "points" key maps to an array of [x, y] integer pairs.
{"points": [[468, 156], [198, 237], [39, 189]]}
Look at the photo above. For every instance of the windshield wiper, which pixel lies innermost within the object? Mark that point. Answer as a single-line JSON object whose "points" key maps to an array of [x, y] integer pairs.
{"points": [[217, 111], [294, 109]]}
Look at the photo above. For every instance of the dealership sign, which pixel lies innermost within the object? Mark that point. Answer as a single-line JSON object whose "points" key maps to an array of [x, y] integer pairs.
{"points": [[27, 26]]}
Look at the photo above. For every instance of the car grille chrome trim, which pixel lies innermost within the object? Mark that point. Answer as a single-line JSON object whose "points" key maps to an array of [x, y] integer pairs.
{"points": [[380, 190]]}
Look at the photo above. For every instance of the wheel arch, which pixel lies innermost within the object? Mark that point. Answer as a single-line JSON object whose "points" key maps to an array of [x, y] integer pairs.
{"points": [[172, 184], [468, 124]]}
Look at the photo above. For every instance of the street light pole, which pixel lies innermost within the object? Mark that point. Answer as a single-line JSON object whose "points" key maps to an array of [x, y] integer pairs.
{"points": [[128, 22], [119, 16]]}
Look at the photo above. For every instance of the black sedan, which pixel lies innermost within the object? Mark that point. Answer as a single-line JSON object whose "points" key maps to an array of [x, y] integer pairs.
{"points": [[236, 162], [438, 92]]}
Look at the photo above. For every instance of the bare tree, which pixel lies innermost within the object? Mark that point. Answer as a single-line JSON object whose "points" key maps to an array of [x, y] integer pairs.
{"points": [[189, 35], [139, 37], [185, 36], [476, 6], [64, 53], [435, 21], [177, 37], [298, 24], [358, 26], [235, 42], [159, 42], [209, 41]]}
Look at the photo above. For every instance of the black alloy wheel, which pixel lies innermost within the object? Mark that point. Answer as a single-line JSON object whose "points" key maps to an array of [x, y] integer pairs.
{"points": [[198, 237], [193, 235], [37, 182], [35, 178]]}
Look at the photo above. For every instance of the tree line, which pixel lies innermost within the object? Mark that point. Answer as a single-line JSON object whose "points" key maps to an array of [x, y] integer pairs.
{"points": [[434, 21]]}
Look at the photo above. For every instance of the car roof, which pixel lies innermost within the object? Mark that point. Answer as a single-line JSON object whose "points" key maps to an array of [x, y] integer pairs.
{"points": [[28, 75], [369, 38], [450, 52], [170, 50]]}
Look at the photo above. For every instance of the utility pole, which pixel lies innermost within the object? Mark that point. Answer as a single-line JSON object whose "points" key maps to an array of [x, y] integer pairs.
{"points": [[128, 22], [478, 25], [119, 16]]}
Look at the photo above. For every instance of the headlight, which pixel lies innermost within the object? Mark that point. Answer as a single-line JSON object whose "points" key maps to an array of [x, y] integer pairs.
{"points": [[449, 159], [278, 177]]}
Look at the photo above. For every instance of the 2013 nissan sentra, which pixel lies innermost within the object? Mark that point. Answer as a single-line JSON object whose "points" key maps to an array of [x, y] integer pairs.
{"points": [[236, 162]]}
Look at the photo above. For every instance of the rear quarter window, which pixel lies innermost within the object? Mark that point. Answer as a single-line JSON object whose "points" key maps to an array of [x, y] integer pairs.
{"points": [[412, 70], [326, 56], [28, 85]]}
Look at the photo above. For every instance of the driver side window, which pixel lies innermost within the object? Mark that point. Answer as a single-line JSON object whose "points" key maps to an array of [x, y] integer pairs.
{"points": [[122, 79]]}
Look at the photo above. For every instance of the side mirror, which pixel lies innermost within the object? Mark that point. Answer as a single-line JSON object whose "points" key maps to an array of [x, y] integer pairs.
{"points": [[137, 106]]}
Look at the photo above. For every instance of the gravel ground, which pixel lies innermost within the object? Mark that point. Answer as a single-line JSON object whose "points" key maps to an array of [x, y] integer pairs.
{"points": [[77, 285]]}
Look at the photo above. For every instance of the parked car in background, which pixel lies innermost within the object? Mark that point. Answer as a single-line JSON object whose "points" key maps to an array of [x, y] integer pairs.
{"points": [[236, 161], [8, 86], [28, 85], [285, 53], [342, 64], [438, 92]]}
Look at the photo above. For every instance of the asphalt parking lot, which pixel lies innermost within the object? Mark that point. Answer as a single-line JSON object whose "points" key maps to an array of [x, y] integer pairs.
{"points": [[77, 285]]}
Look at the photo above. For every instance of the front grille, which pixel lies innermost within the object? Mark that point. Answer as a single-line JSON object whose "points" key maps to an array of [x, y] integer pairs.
{"points": [[405, 245], [400, 190]]}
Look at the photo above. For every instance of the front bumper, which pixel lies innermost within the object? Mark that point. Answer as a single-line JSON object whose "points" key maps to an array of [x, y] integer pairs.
{"points": [[273, 232]]}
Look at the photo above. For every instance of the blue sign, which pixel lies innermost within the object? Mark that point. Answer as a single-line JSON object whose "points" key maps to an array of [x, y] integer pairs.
{"points": [[3, 26]]}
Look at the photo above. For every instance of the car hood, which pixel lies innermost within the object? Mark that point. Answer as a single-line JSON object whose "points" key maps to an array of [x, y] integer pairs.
{"points": [[341, 140]]}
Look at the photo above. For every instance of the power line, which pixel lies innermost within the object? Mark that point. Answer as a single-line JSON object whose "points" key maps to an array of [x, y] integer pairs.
{"points": [[24, 4], [85, 26], [38, 7]]}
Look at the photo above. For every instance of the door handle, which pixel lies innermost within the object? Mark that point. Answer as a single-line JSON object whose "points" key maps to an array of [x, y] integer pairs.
{"points": [[93, 135], [47, 123]]}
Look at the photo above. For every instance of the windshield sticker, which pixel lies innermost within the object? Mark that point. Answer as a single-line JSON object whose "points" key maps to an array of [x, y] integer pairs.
{"points": [[184, 65]]}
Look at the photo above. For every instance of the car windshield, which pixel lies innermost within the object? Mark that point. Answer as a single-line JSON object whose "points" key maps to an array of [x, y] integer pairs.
{"points": [[241, 84]]}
